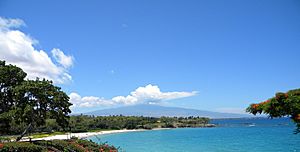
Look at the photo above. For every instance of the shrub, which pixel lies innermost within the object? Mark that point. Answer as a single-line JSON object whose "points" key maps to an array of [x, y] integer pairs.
{"points": [[77, 145], [22, 147]]}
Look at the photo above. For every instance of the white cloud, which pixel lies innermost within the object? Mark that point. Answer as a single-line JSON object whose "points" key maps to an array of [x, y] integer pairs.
{"points": [[61, 58], [88, 101], [17, 48], [149, 94], [10, 23]]}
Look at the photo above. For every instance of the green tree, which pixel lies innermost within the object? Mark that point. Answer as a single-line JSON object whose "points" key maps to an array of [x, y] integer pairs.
{"points": [[30, 102], [10, 77], [283, 104], [39, 100]]}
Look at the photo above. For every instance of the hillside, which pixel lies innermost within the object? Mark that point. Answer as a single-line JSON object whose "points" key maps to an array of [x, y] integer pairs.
{"points": [[158, 111]]}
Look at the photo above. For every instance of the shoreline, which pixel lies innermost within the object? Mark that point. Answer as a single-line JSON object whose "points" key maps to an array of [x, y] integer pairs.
{"points": [[84, 135]]}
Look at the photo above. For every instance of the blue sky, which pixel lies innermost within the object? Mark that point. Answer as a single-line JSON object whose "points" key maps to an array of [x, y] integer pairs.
{"points": [[232, 52]]}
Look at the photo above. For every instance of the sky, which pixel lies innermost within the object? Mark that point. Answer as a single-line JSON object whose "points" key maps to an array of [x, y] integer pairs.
{"points": [[217, 55]]}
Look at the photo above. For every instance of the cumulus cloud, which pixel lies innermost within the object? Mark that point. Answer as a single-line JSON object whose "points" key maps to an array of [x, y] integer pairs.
{"points": [[17, 48], [149, 94], [88, 101], [61, 58]]}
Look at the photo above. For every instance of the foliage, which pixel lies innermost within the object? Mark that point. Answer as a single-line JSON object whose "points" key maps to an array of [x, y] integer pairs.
{"points": [[72, 145], [21, 146], [26, 103], [283, 104], [39, 100], [84, 123], [10, 77]]}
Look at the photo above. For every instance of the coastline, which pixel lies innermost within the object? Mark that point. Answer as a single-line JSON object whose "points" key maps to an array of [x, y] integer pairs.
{"points": [[84, 135], [89, 134]]}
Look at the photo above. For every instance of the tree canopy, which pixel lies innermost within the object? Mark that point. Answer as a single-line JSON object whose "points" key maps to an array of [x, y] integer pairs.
{"points": [[283, 104], [84, 123], [29, 102], [10, 77]]}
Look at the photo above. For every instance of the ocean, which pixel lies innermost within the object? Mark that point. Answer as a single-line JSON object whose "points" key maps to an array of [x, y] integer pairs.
{"points": [[231, 135]]}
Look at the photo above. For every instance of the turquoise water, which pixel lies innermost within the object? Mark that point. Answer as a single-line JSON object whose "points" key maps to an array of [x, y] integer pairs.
{"points": [[238, 135]]}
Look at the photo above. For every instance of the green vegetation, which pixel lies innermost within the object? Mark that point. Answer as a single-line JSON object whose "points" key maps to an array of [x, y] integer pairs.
{"points": [[72, 145], [21, 146], [42, 135], [85, 123], [283, 104], [27, 104]]}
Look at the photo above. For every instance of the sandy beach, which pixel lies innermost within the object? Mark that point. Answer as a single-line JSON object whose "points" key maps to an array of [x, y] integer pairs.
{"points": [[86, 134]]}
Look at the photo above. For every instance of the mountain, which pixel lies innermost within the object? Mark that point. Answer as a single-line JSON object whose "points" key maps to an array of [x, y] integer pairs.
{"points": [[158, 111]]}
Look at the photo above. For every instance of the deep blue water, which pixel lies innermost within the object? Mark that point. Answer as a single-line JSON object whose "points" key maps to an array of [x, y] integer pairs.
{"points": [[235, 135]]}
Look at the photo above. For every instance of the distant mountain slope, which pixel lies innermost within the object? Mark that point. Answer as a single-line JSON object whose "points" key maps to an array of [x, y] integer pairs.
{"points": [[158, 111]]}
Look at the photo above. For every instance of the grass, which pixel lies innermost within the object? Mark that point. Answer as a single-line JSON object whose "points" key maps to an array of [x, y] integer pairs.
{"points": [[98, 130], [42, 135]]}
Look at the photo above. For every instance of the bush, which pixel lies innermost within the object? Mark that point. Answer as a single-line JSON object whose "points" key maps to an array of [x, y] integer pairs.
{"points": [[22, 147], [148, 126], [76, 145]]}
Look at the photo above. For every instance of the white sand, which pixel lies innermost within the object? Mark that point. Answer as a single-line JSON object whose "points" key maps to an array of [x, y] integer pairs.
{"points": [[86, 134]]}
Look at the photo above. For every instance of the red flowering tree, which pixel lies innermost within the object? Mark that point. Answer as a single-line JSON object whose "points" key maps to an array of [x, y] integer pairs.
{"points": [[283, 104]]}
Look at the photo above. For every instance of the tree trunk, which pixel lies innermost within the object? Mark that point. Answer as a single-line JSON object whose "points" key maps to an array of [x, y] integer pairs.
{"points": [[24, 133]]}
